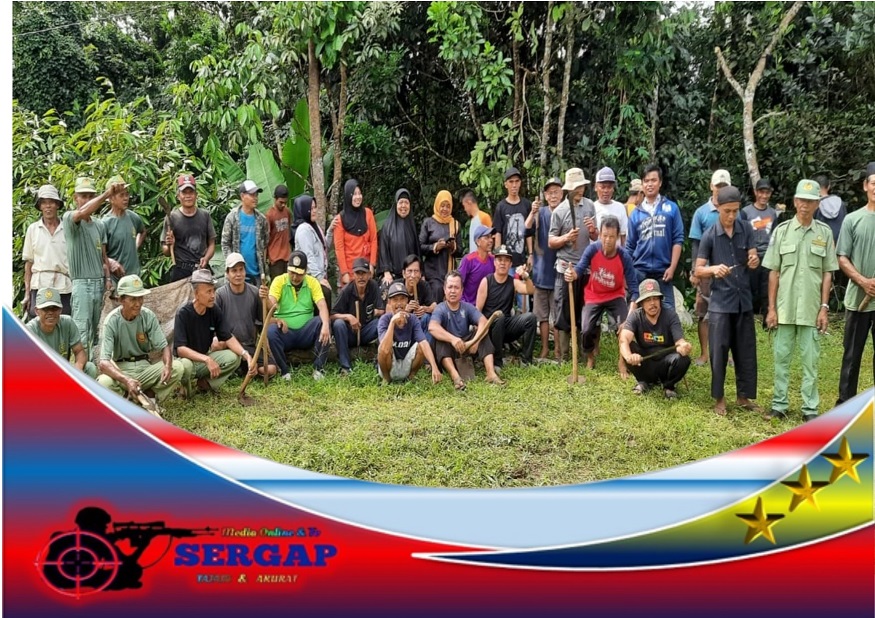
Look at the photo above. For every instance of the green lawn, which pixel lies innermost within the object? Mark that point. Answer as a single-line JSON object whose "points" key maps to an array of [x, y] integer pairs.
{"points": [[537, 430]]}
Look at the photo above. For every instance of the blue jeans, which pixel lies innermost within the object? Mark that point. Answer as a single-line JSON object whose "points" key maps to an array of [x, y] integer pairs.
{"points": [[344, 334], [303, 338]]}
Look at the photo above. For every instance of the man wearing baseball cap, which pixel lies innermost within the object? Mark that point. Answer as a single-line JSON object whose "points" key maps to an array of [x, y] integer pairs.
{"points": [[652, 342], [45, 252], [355, 312], [510, 219], [189, 234], [125, 233], [762, 218], [606, 205], [478, 264], [403, 347], [241, 304], [131, 332], [297, 296], [279, 227], [544, 268], [246, 232], [801, 257], [731, 305], [57, 331]]}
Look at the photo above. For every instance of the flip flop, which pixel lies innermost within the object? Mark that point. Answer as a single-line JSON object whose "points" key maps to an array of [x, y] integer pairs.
{"points": [[750, 406], [459, 384], [720, 410]]}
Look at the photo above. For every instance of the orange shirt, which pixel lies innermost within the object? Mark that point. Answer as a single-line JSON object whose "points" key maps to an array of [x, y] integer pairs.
{"points": [[349, 247]]}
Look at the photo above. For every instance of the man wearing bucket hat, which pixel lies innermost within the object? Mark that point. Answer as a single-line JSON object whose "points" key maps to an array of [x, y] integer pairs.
{"points": [[125, 233], [246, 232], [652, 342], [801, 256], [45, 252], [131, 332], [572, 227], [58, 331], [544, 268], [656, 235], [86, 255], [188, 231], [403, 347]]}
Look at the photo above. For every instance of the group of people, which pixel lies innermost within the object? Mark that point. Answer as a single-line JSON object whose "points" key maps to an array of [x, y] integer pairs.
{"points": [[424, 301]]}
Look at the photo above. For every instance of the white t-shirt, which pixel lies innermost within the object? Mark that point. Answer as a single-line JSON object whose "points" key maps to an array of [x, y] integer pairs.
{"points": [[613, 209]]}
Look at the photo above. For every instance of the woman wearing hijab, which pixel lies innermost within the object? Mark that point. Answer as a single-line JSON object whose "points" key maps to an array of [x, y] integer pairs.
{"points": [[439, 244], [310, 239], [355, 235], [397, 239]]}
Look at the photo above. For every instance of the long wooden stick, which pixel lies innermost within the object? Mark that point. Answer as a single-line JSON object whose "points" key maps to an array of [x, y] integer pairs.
{"points": [[258, 348], [358, 333], [163, 203], [265, 280], [573, 333]]}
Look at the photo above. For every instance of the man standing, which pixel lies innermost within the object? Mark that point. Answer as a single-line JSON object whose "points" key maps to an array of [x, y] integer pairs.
{"points": [[605, 291], [354, 315], [832, 209], [403, 347], [58, 331], [656, 235], [297, 296], [189, 235], [606, 205], [245, 232], [801, 257], [496, 293], [704, 217], [241, 304], [478, 218], [544, 269], [279, 225], [196, 324], [510, 219], [723, 247], [652, 342], [574, 213], [856, 251], [130, 333], [762, 218], [477, 265], [636, 196], [125, 233], [45, 252], [451, 326], [86, 255]]}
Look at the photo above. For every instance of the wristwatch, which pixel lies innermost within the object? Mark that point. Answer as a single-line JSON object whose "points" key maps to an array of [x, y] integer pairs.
{"points": [[824, 306]]}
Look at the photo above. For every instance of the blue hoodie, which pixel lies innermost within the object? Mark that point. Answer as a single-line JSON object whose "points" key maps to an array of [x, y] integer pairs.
{"points": [[651, 238]]}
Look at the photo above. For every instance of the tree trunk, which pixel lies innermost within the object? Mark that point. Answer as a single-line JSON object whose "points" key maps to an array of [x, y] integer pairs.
{"points": [[654, 119], [566, 83], [337, 181], [317, 172], [517, 92], [548, 94]]}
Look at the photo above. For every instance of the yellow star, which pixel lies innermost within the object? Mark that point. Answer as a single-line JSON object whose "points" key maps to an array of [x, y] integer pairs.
{"points": [[845, 462], [803, 489], [759, 523]]}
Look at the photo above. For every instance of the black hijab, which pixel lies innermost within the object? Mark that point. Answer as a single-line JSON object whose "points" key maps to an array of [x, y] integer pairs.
{"points": [[400, 234], [353, 219], [302, 212]]}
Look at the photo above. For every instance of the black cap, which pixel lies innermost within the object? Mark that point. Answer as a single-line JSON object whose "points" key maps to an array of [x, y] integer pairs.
{"points": [[360, 264], [298, 263], [281, 191], [555, 180], [397, 289], [511, 172], [763, 183], [727, 195], [870, 169]]}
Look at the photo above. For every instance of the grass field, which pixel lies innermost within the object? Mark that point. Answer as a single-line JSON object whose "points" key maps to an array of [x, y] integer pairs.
{"points": [[537, 430]]}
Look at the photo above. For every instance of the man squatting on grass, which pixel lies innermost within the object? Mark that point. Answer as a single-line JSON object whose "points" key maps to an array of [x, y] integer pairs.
{"points": [[403, 346]]}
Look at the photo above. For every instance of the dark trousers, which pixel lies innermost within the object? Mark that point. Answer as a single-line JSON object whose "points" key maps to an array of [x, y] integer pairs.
{"points": [[858, 325], [436, 289], [303, 338], [510, 328], [592, 319], [345, 337], [733, 332], [181, 270], [563, 319], [668, 370], [278, 268], [443, 350], [759, 288]]}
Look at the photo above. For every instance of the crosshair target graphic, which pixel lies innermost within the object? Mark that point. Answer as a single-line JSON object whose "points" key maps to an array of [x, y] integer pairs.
{"points": [[78, 563]]}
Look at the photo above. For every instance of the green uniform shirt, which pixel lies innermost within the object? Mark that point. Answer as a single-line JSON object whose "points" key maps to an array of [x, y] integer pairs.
{"points": [[63, 339], [121, 239], [84, 247], [801, 255], [123, 339], [857, 243], [295, 308]]}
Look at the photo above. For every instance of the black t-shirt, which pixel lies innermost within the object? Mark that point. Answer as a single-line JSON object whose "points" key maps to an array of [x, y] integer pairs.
{"points": [[654, 337], [423, 293], [195, 331], [373, 300], [191, 235], [509, 220], [499, 296]]}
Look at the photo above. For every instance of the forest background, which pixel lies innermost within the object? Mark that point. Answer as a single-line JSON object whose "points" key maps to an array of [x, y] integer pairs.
{"points": [[433, 95]]}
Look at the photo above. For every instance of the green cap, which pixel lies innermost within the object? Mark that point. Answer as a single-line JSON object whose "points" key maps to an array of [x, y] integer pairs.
{"points": [[48, 297], [84, 185], [114, 180], [131, 285], [648, 289], [807, 190]]}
